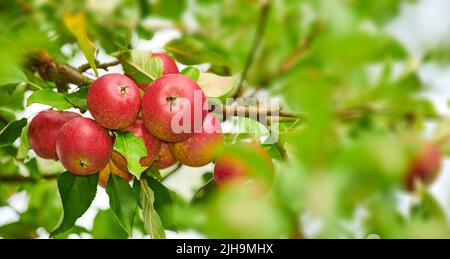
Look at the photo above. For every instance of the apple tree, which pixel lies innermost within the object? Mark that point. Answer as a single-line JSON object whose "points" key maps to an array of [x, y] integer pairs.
{"points": [[234, 119]]}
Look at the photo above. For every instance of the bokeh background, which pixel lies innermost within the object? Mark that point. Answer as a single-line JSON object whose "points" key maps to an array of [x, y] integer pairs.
{"points": [[339, 56]]}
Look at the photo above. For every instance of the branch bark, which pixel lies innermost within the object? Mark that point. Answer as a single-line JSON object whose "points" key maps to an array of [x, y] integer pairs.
{"points": [[60, 74], [247, 111]]}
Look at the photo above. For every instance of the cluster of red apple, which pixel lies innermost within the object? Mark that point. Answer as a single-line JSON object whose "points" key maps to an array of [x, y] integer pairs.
{"points": [[85, 146]]}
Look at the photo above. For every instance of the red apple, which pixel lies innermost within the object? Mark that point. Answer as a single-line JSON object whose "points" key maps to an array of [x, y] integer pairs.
{"points": [[83, 146], [106, 171], [43, 130], [119, 160], [151, 143], [425, 166], [173, 108], [232, 168], [114, 101], [165, 158], [200, 149], [170, 67]]}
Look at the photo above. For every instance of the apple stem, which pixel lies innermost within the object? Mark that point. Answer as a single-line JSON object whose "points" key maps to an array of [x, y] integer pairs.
{"points": [[173, 100]]}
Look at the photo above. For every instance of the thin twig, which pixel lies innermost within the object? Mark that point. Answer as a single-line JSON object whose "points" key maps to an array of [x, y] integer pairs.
{"points": [[296, 55], [87, 66], [261, 28]]}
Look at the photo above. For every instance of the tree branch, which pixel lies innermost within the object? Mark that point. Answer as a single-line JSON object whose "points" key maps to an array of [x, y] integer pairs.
{"points": [[265, 7], [50, 70], [248, 111], [10, 178], [85, 67]]}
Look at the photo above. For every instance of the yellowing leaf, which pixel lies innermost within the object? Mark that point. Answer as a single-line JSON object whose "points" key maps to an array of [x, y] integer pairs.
{"points": [[217, 86], [76, 23]]}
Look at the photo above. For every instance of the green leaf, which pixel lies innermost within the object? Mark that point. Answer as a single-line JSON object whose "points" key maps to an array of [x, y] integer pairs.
{"points": [[137, 192], [18, 229], [428, 207], [142, 67], [76, 24], [191, 51], [12, 131], [36, 80], [191, 72], [11, 75], [144, 33], [442, 135], [172, 9], [152, 222], [24, 146], [121, 201], [205, 192], [74, 230], [78, 98], [250, 125], [163, 203], [49, 97], [33, 169], [77, 194], [206, 177], [132, 148], [273, 150], [107, 226], [217, 86], [7, 113], [154, 172]]}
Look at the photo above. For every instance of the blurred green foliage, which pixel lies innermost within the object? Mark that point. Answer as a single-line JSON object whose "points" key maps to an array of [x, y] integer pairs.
{"points": [[318, 55]]}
